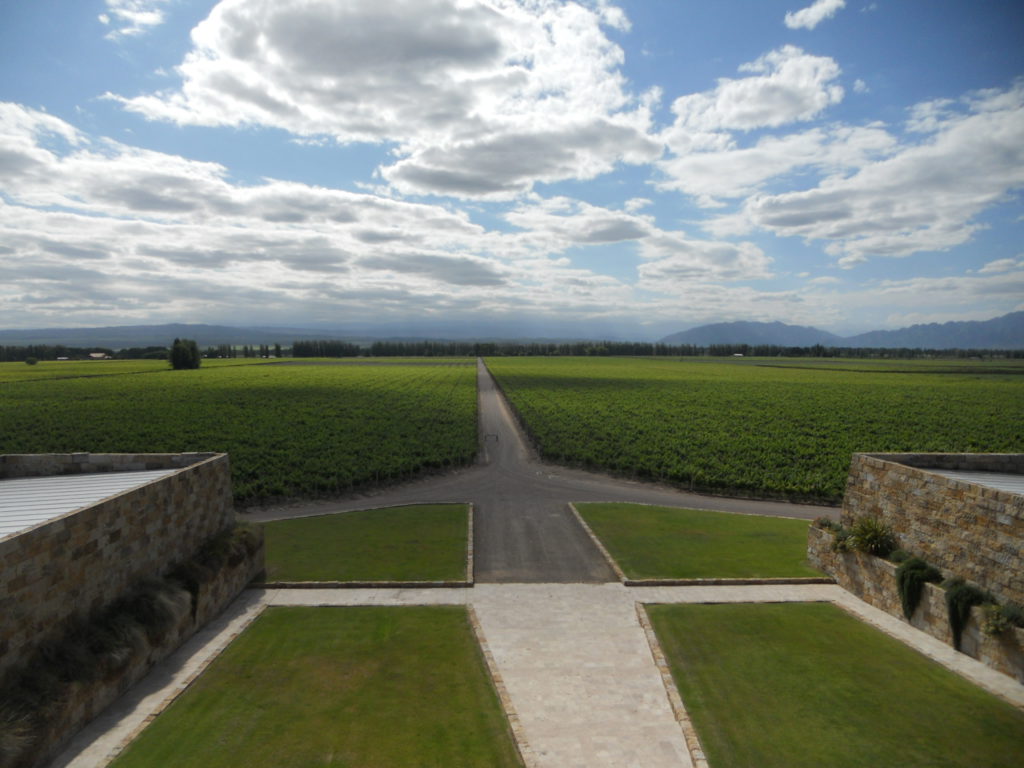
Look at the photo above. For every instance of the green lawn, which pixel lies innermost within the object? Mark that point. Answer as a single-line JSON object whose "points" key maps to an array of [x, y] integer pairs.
{"points": [[424, 542], [367, 687], [794, 685], [669, 543]]}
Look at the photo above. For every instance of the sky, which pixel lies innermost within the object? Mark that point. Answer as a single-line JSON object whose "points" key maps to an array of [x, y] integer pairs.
{"points": [[610, 168]]}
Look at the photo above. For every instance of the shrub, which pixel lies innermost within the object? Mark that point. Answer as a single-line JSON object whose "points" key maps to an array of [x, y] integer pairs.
{"points": [[871, 535], [157, 606], [31, 360], [960, 598], [827, 524], [911, 577], [841, 542], [899, 556], [1014, 614]]}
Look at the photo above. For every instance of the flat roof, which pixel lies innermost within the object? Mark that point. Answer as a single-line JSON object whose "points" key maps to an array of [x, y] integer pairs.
{"points": [[25, 502], [1003, 481]]}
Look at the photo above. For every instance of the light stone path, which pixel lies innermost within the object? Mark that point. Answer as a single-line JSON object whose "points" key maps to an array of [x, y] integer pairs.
{"points": [[579, 674]]}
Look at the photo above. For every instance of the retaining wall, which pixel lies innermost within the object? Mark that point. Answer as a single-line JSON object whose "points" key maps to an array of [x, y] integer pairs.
{"points": [[964, 529], [87, 700], [84, 559], [873, 580]]}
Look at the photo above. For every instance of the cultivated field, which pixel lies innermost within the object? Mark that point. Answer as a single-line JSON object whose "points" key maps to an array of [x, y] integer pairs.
{"points": [[779, 429], [291, 430]]}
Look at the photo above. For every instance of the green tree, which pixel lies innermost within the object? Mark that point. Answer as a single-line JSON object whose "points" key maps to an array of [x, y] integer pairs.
{"points": [[185, 354]]}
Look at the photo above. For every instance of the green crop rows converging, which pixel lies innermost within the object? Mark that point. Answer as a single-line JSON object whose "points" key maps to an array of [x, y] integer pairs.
{"points": [[290, 430], [741, 428]]}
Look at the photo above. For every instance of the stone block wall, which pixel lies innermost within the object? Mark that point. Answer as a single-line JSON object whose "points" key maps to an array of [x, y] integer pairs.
{"points": [[964, 529], [88, 700], [873, 580], [85, 559]]}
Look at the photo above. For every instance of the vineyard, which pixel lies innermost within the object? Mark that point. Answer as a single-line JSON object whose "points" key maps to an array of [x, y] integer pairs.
{"points": [[749, 429], [291, 430]]}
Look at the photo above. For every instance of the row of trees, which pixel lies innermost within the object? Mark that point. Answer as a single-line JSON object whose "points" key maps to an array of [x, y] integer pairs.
{"points": [[324, 348]]}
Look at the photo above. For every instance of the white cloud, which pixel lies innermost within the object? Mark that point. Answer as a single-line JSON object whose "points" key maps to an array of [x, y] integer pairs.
{"points": [[923, 197], [859, 86], [482, 98], [814, 14], [733, 171], [787, 85], [130, 18], [1002, 265]]}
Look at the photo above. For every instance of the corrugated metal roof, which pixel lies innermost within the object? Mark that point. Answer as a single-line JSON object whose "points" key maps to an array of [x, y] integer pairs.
{"points": [[28, 501], [1002, 481]]}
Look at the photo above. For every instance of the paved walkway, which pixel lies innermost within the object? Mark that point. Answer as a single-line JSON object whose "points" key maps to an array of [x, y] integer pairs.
{"points": [[579, 675]]}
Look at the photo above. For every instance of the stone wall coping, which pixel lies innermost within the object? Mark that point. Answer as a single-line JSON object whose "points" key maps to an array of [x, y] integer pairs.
{"points": [[16, 465]]}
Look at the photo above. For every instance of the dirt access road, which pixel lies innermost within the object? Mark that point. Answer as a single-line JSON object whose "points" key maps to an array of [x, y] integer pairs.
{"points": [[523, 530]]}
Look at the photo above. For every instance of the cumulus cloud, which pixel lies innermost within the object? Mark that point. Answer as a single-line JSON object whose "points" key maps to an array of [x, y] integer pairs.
{"points": [[923, 197], [786, 85], [814, 14], [734, 171], [481, 98], [130, 18]]}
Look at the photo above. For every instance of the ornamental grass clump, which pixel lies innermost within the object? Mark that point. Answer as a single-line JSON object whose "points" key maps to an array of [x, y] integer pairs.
{"points": [[871, 535], [911, 577]]}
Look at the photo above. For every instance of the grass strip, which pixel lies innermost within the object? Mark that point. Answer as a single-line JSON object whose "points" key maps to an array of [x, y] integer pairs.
{"points": [[422, 542], [793, 685], [354, 686], [669, 543]]}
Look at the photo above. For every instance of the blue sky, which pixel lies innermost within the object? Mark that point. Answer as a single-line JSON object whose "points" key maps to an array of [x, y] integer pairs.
{"points": [[628, 168]]}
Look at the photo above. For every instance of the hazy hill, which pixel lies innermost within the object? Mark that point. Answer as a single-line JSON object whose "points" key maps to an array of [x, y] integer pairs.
{"points": [[119, 337], [1005, 332], [744, 332]]}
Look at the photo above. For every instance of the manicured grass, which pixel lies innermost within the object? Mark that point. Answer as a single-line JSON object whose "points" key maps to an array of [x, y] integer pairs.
{"points": [[669, 543], [423, 542], [793, 685], [367, 687]]}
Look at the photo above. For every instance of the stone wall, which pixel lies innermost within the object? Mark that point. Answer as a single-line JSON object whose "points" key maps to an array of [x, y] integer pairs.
{"points": [[963, 529], [873, 580], [85, 559], [86, 701]]}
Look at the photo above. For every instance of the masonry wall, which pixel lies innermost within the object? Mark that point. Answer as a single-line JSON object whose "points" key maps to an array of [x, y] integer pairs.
{"points": [[85, 559], [873, 580], [961, 528]]}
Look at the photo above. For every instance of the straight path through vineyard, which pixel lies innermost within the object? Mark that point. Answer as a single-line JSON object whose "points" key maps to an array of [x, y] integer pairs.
{"points": [[523, 529]]}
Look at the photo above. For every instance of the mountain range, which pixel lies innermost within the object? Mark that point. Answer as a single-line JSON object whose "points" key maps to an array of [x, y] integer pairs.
{"points": [[1005, 332]]}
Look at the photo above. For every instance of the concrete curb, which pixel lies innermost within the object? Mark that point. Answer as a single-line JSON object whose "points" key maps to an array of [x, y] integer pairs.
{"points": [[518, 735], [597, 542], [726, 582], [674, 699]]}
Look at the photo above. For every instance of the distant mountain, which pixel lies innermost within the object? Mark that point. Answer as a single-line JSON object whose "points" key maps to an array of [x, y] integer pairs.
{"points": [[120, 337], [744, 332], [1005, 332]]}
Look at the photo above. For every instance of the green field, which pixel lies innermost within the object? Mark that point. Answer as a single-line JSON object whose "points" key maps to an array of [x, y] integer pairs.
{"points": [[424, 542], [668, 543], [806, 685], [758, 429], [372, 687], [291, 430]]}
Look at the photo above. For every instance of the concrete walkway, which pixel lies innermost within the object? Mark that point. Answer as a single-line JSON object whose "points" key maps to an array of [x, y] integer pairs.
{"points": [[581, 682]]}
